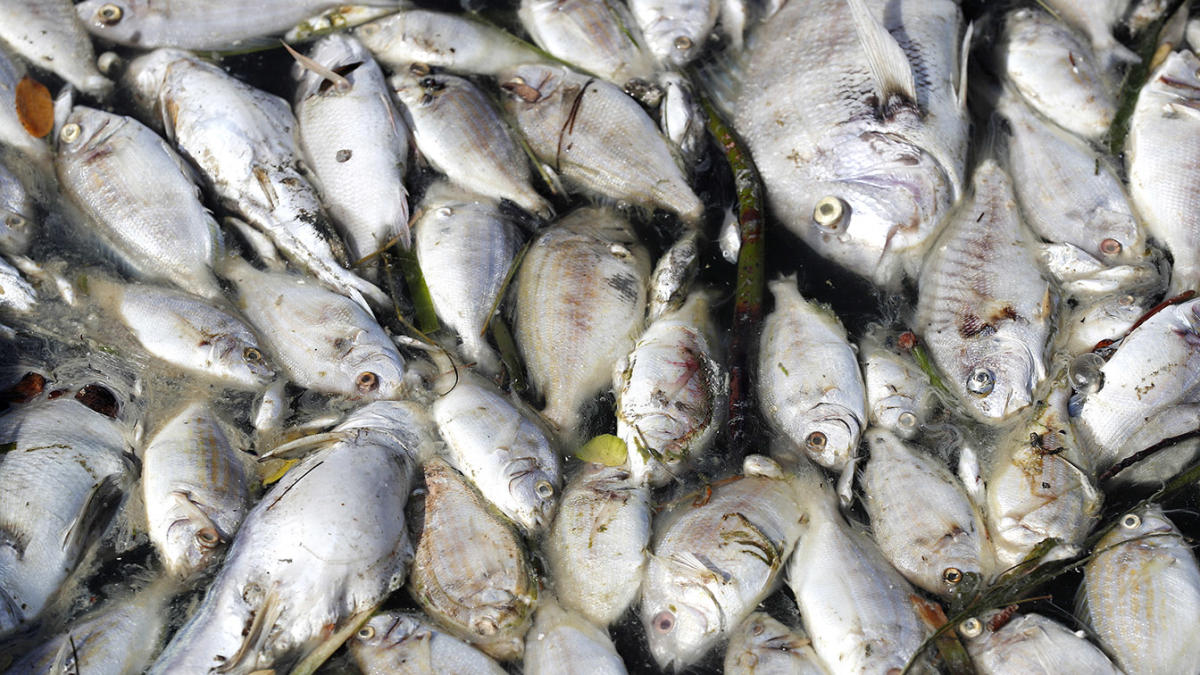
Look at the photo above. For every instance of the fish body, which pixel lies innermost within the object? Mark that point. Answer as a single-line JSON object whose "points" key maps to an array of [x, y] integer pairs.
{"points": [[596, 547], [1034, 644], [140, 198], [595, 36], [581, 298], [67, 466], [46, 33], [1097, 18], [597, 138], [764, 646], [195, 487], [561, 641], [713, 562], [356, 144], [864, 178], [452, 41], [899, 396], [406, 644], [983, 308], [809, 385], [466, 248], [303, 561], [16, 212], [15, 292]]}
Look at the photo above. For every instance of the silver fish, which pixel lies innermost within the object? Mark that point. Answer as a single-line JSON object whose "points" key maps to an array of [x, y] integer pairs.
{"points": [[198, 24], [1106, 318], [405, 644], [899, 396], [581, 296], [563, 641], [1141, 594], [195, 488], [465, 247], [596, 547], [597, 138], [671, 393], [713, 562], [484, 593], [1033, 644], [764, 646], [983, 307], [303, 562], [187, 332], [596, 36], [241, 139], [67, 466], [499, 448], [1040, 485], [320, 339], [673, 275], [15, 292], [676, 30], [356, 143], [861, 152], [1160, 152], [809, 386], [922, 517], [159, 226], [46, 33], [16, 214], [458, 129], [1097, 18], [452, 41], [1057, 73]]}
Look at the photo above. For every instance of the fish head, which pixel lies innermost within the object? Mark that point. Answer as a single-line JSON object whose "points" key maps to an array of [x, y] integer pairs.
{"points": [[16, 228], [128, 22], [146, 77], [387, 630], [536, 495], [681, 629], [239, 359], [676, 41], [1147, 527], [997, 377], [86, 132], [191, 541], [1118, 238], [372, 371], [831, 435], [419, 87], [339, 53]]}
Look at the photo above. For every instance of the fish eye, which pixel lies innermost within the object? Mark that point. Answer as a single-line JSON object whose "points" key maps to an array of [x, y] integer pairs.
{"points": [[367, 381], [1110, 246], [816, 441], [828, 212], [208, 537], [952, 575], [907, 420], [663, 622], [683, 43], [15, 221], [69, 133], [970, 628], [110, 14], [981, 381], [251, 354], [1131, 521], [544, 489], [485, 626], [366, 633], [757, 628], [99, 399]]}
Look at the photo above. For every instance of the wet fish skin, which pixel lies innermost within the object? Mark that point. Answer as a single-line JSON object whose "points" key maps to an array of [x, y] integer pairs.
{"points": [[16, 214], [812, 119], [187, 332], [392, 643], [1106, 318], [596, 546], [15, 292], [597, 138], [1057, 73], [501, 449], [921, 516], [713, 562], [159, 226], [899, 396], [356, 144], [581, 297], [68, 465], [561, 640], [1159, 158], [596, 37], [763, 646], [462, 135], [197, 24], [983, 308], [465, 247], [455, 42], [1150, 388], [676, 31], [1141, 594], [195, 488], [484, 593], [46, 33], [1097, 18], [809, 385], [1040, 485], [302, 561], [1034, 644], [320, 339]]}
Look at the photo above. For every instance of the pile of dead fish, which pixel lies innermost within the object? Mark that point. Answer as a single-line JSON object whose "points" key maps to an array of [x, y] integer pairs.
{"points": [[262, 414]]}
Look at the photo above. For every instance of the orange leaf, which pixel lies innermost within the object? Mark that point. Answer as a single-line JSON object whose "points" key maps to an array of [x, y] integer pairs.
{"points": [[35, 108]]}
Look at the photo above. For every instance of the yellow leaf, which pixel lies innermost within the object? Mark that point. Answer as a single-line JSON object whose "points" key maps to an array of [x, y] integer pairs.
{"points": [[603, 449]]}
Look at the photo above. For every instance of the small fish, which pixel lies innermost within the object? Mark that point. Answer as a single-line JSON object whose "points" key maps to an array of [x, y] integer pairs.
{"points": [[899, 396], [458, 129], [764, 646], [676, 30], [1033, 644], [595, 36], [1097, 18], [456, 42], [596, 547], [561, 641], [46, 33], [597, 138], [391, 643]]}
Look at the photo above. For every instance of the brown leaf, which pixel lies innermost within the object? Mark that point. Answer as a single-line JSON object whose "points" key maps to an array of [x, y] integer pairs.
{"points": [[35, 107]]}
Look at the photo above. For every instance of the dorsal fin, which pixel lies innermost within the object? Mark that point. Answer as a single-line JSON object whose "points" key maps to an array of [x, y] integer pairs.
{"points": [[888, 63]]}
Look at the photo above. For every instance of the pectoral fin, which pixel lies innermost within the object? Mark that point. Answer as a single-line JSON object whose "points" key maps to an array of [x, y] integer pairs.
{"points": [[887, 61]]}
